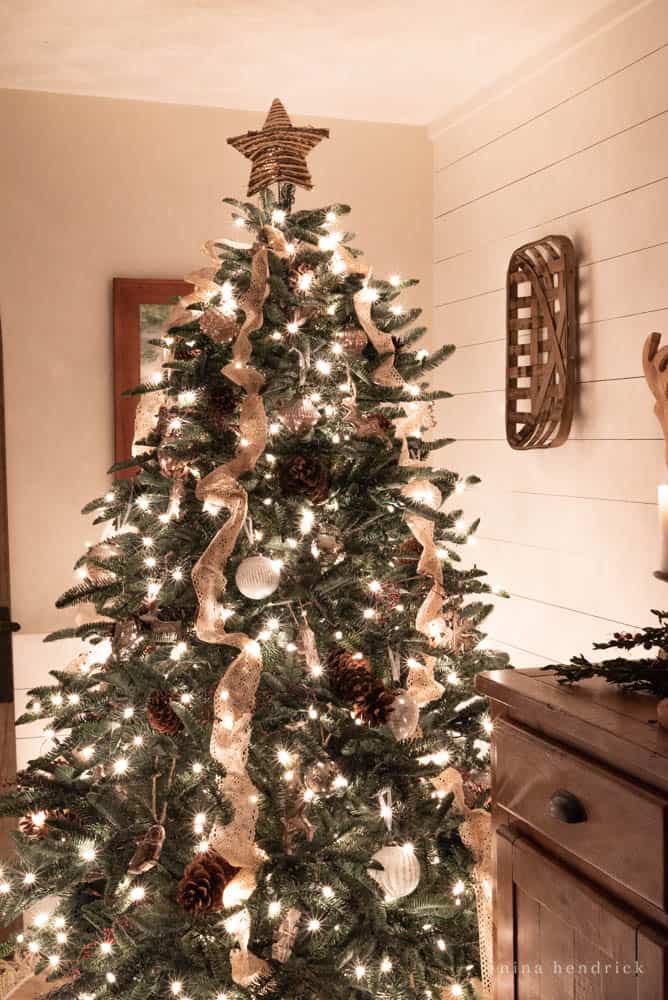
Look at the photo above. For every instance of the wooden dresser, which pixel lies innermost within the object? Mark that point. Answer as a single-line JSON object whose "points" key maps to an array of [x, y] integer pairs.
{"points": [[580, 815]]}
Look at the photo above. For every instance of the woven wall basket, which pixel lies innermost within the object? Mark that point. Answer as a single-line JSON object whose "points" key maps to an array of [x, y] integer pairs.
{"points": [[541, 343]]}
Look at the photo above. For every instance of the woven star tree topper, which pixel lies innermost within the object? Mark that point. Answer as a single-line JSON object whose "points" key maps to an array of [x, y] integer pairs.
{"points": [[278, 151]]}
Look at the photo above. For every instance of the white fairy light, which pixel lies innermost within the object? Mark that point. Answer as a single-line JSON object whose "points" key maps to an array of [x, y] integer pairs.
{"points": [[440, 944], [198, 822], [386, 965], [274, 908], [284, 757], [33, 947], [306, 521], [487, 724], [41, 919], [197, 768], [87, 852], [395, 280], [29, 878], [61, 937], [54, 961], [59, 922], [313, 925], [375, 586], [360, 971], [408, 848], [178, 651], [397, 309], [412, 389], [278, 216], [330, 218], [239, 222], [305, 281], [120, 765], [176, 987], [152, 590], [337, 264], [313, 713], [368, 613], [421, 355], [111, 978], [187, 398], [324, 367], [460, 524], [150, 562], [456, 990], [87, 752], [128, 712], [458, 888], [274, 427], [4, 888], [138, 741], [471, 540], [57, 699], [368, 294], [290, 248], [460, 487], [228, 303], [340, 782], [277, 335], [36, 706], [327, 891], [105, 947], [316, 670], [186, 698]]}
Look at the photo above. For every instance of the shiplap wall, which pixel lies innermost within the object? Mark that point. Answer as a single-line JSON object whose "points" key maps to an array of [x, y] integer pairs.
{"points": [[580, 149]]}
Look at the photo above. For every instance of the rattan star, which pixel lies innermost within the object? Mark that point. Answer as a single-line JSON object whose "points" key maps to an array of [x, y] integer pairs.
{"points": [[279, 150]]}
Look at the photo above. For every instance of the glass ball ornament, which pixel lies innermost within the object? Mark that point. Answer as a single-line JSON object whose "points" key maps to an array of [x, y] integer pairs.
{"points": [[257, 577], [400, 874], [404, 717]]}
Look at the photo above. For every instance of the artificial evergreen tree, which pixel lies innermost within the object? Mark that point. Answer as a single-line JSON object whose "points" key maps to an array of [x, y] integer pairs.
{"points": [[263, 760]]}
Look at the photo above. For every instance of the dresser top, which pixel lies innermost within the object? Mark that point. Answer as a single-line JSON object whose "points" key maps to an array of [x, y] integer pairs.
{"points": [[617, 728]]}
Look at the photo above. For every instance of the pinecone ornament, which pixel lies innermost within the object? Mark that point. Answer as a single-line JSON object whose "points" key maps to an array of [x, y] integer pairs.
{"points": [[203, 883], [305, 476], [349, 675], [220, 407], [160, 715], [376, 706]]}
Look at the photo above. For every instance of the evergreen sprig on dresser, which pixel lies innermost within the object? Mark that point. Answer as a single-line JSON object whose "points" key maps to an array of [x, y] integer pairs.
{"points": [[647, 673]]}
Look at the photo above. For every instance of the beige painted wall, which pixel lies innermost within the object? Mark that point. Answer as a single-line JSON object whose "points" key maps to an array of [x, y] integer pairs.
{"points": [[93, 188], [581, 149]]}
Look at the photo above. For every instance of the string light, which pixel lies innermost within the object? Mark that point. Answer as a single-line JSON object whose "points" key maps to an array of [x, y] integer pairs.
{"points": [[105, 947], [360, 971], [87, 852], [111, 978], [120, 766], [29, 878], [324, 367], [386, 965], [4, 888], [395, 280], [327, 891], [274, 908], [278, 216], [313, 925], [177, 574], [176, 986]]}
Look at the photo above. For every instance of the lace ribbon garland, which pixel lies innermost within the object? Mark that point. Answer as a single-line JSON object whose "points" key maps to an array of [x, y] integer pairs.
{"points": [[476, 833]]}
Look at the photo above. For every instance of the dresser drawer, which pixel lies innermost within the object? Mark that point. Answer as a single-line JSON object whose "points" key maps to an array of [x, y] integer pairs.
{"points": [[591, 812]]}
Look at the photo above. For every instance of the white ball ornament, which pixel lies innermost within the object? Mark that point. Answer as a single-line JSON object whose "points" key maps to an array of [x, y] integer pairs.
{"points": [[257, 577], [400, 875], [404, 717]]}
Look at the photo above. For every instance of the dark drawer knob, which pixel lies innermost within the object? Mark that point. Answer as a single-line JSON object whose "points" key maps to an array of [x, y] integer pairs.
{"points": [[567, 808]]}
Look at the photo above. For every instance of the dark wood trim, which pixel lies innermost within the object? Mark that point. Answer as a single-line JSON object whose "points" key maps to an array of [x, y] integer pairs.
{"points": [[129, 295]]}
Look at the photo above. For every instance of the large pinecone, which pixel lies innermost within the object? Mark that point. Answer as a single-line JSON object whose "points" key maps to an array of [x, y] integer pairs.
{"points": [[349, 676], [160, 714], [305, 476], [203, 883], [376, 706]]}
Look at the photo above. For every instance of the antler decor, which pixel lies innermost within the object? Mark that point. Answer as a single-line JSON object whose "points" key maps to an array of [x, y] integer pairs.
{"points": [[655, 367], [541, 343]]}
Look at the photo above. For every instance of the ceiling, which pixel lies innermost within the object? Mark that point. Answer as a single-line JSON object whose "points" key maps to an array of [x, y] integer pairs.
{"points": [[408, 61]]}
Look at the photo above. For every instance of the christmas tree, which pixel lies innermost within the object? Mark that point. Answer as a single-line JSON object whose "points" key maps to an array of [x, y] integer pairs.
{"points": [[268, 767]]}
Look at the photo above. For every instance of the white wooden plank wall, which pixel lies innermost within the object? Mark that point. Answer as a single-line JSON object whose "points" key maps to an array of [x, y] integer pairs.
{"points": [[581, 149]]}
